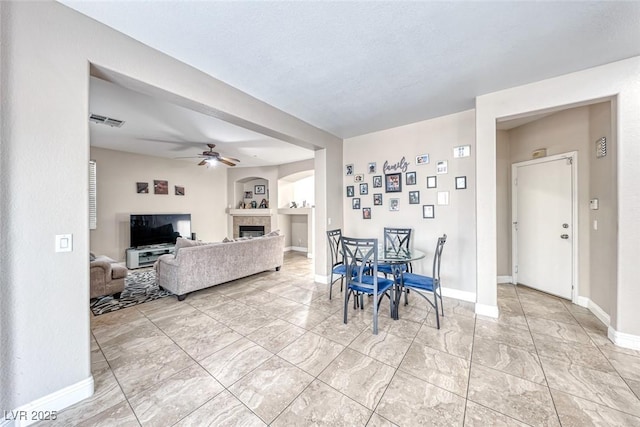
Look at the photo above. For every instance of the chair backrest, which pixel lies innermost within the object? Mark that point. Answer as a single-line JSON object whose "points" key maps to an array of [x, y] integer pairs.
{"points": [[335, 237], [437, 257], [361, 259], [397, 238]]}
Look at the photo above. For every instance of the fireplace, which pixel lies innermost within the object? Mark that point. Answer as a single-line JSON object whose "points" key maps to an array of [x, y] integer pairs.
{"points": [[251, 230]]}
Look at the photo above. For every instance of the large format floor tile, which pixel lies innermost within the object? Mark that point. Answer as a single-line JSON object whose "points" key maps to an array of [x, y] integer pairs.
{"points": [[272, 349]]}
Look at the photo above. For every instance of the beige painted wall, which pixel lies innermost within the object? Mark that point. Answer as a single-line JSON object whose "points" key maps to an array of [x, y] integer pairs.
{"points": [[118, 172], [503, 191], [560, 133], [603, 186], [437, 138], [44, 183]]}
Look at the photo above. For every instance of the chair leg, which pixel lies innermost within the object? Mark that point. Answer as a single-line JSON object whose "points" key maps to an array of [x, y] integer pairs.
{"points": [[375, 318], [346, 305], [435, 300], [330, 285]]}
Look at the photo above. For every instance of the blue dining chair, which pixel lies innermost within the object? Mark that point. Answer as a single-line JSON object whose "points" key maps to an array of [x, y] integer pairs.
{"points": [[425, 285], [361, 260], [396, 239], [337, 260]]}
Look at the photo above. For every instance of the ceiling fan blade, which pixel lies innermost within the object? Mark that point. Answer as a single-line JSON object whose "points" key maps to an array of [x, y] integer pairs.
{"points": [[229, 159], [226, 162], [193, 157], [202, 163]]}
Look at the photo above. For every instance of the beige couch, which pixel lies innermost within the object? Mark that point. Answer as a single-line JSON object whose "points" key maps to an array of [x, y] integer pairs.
{"points": [[107, 277], [196, 265]]}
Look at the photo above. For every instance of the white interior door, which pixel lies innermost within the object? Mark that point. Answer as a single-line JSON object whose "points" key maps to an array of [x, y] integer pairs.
{"points": [[543, 229]]}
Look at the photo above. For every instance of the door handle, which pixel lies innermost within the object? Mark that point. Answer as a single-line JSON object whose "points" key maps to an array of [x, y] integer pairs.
{"points": [[564, 236]]}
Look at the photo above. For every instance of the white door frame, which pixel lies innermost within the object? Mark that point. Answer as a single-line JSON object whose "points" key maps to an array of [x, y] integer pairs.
{"points": [[573, 155]]}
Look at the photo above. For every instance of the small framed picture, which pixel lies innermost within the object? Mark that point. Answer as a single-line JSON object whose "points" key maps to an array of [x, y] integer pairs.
{"points": [[355, 203], [442, 167], [432, 181], [393, 182], [414, 197], [422, 159], [410, 178], [259, 189], [394, 205], [372, 167], [443, 198], [359, 177], [461, 182], [377, 199], [364, 188], [377, 181], [348, 170], [428, 212], [461, 151], [142, 187], [179, 190], [349, 190], [160, 187], [366, 213], [248, 194]]}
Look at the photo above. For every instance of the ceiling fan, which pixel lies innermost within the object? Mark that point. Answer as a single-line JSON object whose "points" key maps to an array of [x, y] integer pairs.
{"points": [[209, 155]]}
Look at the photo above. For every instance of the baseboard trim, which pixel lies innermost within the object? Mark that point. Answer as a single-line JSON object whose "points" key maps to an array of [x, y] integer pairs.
{"points": [[622, 339], [458, 294], [55, 401], [299, 249], [505, 279], [487, 310], [321, 279]]}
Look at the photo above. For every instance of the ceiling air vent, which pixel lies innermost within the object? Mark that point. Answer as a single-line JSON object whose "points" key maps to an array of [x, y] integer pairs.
{"points": [[96, 118]]}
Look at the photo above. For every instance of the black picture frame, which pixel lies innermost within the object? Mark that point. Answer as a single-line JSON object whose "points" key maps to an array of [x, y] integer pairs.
{"points": [[142, 187], [432, 181], [377, 181], [410, 178], [259, 189], [350, 190], [366, 213], [393, 182], [179, 190], [248, 194], [414, 197], [461, 182], [377, 199], [364, 188], [355, 203], [428, 212]]}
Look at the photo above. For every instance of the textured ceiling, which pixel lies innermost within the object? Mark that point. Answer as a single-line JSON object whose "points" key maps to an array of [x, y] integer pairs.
{"points": [[355, 67]]}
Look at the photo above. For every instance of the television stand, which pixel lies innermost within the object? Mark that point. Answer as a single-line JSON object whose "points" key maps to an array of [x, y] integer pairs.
{"points": [[145, 256]]}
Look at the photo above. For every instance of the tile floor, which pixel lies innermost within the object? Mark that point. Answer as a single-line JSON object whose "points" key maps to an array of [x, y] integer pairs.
{"points": [[272, 350]]}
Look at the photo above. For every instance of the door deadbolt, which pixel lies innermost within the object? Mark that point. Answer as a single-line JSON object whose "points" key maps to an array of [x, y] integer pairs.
{"points": [[565, 225], [564, 236]]}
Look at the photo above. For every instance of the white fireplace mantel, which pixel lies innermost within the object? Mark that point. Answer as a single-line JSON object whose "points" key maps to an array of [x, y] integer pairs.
{"points": [[251, 212]]}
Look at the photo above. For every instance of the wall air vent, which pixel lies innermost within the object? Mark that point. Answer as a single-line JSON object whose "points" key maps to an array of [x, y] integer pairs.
{"points": [[96, 118]]}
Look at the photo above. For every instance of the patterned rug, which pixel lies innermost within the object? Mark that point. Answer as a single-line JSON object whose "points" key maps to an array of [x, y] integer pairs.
{"points": [[139, 287]]}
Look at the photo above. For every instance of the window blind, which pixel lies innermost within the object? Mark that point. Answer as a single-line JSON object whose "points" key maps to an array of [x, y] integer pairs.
{"points": [[93, 208]]}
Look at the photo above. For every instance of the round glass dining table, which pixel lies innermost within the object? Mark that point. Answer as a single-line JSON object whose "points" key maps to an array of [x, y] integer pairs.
{"points": [[396, 258]]}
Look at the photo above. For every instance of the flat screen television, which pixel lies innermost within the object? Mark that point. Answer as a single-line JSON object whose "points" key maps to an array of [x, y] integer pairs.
{"points": [[147, 230]]}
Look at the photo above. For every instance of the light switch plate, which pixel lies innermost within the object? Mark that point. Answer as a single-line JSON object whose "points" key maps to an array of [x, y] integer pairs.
{"points": [[64, 242]]}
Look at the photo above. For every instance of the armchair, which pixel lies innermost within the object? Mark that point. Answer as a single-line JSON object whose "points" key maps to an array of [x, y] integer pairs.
{"points": [[106, 277]]}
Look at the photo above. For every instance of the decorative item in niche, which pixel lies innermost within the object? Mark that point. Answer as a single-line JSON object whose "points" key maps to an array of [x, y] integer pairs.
{"points": [[410, 178], [461, 182], [402, 165], [350, 190], [393, 182], [372, 167], [366, 213], [142, 187], [377, 181], [432, 181], [294, 205], [355, 203], [358, 177], [264, 204], [441, 167], [601, 147], [414, 197], [179, 190], [394, 205], [422, 159], [428, 212], [443, 197], [160, 187], [364, 188], [254, 204], [259, 189], [248, 194], [461, 151], [348, 169], [377, 199]]}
